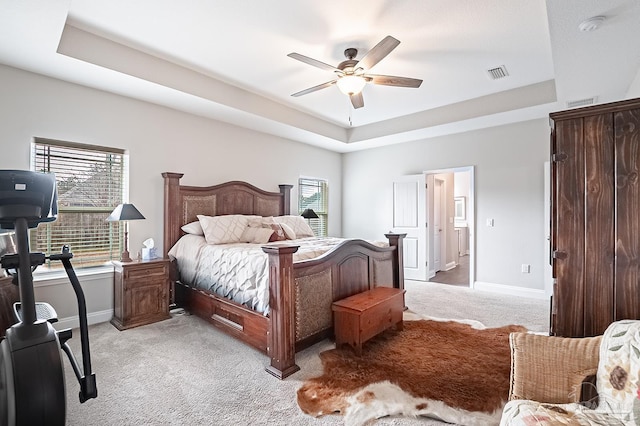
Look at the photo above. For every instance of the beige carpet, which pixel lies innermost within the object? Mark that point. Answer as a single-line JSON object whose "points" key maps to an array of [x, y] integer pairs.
{"points": [[182, 371]]}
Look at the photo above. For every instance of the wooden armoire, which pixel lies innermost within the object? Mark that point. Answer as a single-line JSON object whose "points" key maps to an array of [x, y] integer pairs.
{"points": [[595, 217]]}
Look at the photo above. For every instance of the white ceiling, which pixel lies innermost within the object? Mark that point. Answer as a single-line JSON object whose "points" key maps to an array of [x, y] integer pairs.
{"points": [[227, 59]]}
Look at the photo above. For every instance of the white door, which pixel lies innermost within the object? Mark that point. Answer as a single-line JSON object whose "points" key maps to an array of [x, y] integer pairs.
{"points": [[437, 225], [409, 216]]}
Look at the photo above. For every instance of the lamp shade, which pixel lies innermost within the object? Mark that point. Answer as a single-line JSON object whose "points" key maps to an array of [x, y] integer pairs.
{"points": [[309, 214], [125, 212]]}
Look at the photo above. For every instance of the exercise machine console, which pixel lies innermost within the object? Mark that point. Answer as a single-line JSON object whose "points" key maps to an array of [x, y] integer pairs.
{"points": [[32, 382]]}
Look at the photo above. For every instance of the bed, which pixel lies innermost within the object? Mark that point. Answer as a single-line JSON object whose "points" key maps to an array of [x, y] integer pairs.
{"points": [[300, 293]]}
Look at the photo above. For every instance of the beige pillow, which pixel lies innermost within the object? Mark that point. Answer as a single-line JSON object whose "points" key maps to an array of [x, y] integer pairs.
{"points": [[297, 223], [193, 228], [260, 222], [256, 235], [223, 229], [288, 232]]}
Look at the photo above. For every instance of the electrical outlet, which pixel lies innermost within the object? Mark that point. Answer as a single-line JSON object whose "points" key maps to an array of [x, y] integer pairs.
{"points": [[490, 222], [526, 268]]}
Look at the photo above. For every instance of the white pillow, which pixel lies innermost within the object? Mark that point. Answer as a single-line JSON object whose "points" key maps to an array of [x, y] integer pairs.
{"points": [[223, 229], [297, 223], [256, 235], [260, 222], [193, 228]]}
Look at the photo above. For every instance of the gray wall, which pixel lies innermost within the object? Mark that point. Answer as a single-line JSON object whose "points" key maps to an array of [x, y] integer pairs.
{"points": [[509, 188], [158, 139], [508, 163]]}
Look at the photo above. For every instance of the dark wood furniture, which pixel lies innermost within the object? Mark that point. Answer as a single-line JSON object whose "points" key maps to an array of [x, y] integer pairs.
{"points": [[300, 293], [141, 293], [362, 316], [9, 294], [595, 219]]}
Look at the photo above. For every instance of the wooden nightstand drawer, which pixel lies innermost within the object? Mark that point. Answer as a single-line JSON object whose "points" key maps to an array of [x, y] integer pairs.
{"points": [[145, 281], [141, 293], [159, 271]]}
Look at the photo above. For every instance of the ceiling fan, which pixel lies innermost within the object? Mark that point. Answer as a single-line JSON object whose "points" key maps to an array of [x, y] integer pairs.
{"points": [[352, 74]]}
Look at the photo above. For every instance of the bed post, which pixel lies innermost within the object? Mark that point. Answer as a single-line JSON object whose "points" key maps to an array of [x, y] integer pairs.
{"points": [[396, 240], [285, 190], [171, 216], [281, 341]]}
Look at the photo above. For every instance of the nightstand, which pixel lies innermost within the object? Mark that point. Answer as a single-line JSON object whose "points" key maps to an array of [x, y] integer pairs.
{"points": [[140, 293]]}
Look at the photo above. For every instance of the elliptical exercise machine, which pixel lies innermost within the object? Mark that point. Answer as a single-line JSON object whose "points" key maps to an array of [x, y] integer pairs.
{"points": [[32, 382]]}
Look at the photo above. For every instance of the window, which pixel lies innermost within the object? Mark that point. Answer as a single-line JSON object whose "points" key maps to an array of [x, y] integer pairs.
{"points": [[313, 194], [91, 183]]}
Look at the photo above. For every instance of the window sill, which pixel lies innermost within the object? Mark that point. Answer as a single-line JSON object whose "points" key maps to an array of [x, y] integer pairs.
{"points": [[59, 276]]}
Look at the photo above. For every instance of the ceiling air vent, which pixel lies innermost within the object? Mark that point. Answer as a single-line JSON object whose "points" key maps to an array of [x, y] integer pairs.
{"points": [[497, 73], [582, 102]]}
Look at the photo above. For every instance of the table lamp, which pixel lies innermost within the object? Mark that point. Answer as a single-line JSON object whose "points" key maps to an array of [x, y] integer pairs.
{"points": [[309, 214], [124, 213]]}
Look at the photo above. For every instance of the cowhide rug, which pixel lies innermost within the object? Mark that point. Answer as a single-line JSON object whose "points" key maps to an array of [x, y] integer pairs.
{"points": [[444, 370]]}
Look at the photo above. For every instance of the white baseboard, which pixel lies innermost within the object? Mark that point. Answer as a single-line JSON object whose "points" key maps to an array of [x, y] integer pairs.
{"points": [[449, 266], [92, 318], [531, 293]]}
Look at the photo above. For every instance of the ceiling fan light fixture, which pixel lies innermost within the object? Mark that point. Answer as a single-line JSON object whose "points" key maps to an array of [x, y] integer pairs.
{"points": [[351, 84]]}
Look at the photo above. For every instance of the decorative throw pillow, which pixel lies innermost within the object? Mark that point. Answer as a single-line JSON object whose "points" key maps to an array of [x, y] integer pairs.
{"points": [[193, 228], [256, 235], [223, 229], [278, 233], [297, 224], [288, 232]]}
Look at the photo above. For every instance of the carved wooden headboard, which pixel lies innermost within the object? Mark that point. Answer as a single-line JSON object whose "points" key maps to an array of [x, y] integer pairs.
{"points": [[183, 203]]}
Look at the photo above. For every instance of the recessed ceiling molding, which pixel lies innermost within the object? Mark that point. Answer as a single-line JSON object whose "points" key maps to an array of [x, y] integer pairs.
{"points": [[100, 51], [477, 123], [509, 100], [246, 109]]}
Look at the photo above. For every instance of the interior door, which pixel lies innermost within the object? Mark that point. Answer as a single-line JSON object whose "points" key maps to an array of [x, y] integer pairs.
{"points": [[409, 216], [437, 225]]}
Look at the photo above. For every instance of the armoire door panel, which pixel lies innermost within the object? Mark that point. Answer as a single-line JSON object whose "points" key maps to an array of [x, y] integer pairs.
{"points": [[599, 223], [569, 219], [595, 217], [627, 144]]}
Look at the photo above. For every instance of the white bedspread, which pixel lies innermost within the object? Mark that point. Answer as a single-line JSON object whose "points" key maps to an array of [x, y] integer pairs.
{"points": [[239, 271]]}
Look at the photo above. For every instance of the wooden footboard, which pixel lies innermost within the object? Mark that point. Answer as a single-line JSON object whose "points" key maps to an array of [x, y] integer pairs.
{"points": [[301, 293], [304, 291]]}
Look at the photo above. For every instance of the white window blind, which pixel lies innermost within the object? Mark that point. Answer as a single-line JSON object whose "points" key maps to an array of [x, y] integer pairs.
{"points": [[313, 194], [91, 182]]}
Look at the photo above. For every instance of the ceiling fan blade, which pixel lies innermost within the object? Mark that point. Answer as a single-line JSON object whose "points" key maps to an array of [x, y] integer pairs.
{"points": [[392, 80], [357, 100], [314, 62], [378, 52], [314, 88]]}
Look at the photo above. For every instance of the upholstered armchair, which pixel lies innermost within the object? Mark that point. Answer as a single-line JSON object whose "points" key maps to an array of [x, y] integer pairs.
{"points": [[548, 377]]}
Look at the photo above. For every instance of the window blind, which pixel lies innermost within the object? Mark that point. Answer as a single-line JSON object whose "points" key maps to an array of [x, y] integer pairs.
{"points": [[313, 194], [91, 183]]}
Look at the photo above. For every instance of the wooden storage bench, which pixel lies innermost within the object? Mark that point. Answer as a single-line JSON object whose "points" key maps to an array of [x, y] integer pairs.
{"points": [[364, 315]]}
